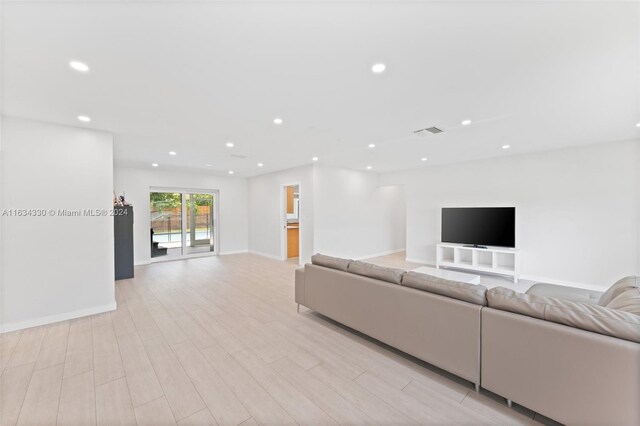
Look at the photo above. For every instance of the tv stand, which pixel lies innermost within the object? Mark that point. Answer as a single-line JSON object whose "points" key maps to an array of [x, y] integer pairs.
{"points": [[492, 260]]}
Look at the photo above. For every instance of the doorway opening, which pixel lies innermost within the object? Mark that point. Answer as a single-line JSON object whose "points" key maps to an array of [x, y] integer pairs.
{"points": [[183, 224], [291, 222]]}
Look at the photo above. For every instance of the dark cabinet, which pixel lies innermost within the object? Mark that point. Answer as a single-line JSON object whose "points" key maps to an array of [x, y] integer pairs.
{"points": [[123, 236]]}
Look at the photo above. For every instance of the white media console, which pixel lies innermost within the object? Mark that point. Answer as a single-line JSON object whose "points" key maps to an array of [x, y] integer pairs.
{"points": [[501, 261]]}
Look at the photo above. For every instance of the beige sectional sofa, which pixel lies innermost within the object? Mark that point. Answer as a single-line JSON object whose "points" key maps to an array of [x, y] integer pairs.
{"points": [[572, 355]]}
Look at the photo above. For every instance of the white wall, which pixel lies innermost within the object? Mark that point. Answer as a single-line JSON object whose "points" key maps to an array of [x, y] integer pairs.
{"points": [[54, 268], [266, 211], [1, 205], [354, 217], [343, 213], [637, 185], [577, 209], [232, 219], [1, 161]]}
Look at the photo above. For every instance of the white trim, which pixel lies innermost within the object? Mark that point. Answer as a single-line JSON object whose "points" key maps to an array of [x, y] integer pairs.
{"points": [[234, 252], [183, 224], [142, 263], [270, 256], [384, 253], [57, 318]]}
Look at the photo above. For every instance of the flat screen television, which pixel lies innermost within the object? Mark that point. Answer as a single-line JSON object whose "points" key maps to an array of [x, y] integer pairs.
{"points": [[479, 226]]}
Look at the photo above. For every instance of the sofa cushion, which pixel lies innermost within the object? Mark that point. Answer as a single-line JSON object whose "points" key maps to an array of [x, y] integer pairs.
{"points": [[586, 316], [508, 300], [331, 262], [627, 301], [471, 293], [392, 275], [617, 288], [564, 292]]}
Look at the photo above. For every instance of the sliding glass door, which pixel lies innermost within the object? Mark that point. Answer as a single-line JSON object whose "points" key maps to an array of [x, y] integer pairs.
{"points": [[166, 224], [199, 223], [182, 223]]}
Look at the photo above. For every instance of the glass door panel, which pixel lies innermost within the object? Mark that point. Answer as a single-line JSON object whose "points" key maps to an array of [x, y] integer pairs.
{"points": [[166, 224], [199, 223]]}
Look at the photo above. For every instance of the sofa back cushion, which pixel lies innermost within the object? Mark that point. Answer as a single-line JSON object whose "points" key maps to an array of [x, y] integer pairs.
{"points": [[520, 303], [471, 293], [598, 319], [627, 301], [392, 275], [564, 292], [331, 262], [617, 288]]}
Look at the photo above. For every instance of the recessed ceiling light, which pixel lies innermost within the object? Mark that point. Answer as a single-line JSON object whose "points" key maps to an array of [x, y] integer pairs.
{"points": [[172, 153], [84, 118], [423, 159], [372, 145], [369, 167], [506, 146], [79, 66], [378, 68], [260, 164], [231, 172], [207, 165], [277, 120], [230, 144], [637, 124], [466, 122], [154, 164], [315, 159]]}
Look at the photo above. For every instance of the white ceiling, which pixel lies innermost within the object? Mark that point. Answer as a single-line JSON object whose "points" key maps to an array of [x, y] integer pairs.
{"points": [[188, 76]]}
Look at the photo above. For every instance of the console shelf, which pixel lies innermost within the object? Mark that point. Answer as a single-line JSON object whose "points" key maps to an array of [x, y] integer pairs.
{"points": [[494, 260]]}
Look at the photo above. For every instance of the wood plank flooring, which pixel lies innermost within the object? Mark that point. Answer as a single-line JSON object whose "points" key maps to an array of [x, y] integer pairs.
{"points": [[217, 340]]}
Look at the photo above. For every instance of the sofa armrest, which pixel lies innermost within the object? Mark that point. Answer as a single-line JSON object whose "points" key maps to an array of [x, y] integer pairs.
{"points": [[300, 286]]}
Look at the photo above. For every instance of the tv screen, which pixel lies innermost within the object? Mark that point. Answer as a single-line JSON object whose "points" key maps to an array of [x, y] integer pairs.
{"points": [[482, 226]]}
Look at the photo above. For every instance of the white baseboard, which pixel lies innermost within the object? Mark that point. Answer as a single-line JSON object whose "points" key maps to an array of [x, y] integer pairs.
{"points": [[13, 326], [384, 253], [224, 253], [144, 262], [270, 256]]}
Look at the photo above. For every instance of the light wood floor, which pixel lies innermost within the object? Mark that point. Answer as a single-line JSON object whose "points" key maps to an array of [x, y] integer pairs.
{"points": [[217, 340]]}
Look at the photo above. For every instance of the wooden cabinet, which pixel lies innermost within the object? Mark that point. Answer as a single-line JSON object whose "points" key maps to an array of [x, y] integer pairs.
{"points": [[293, 227], [290, 196], [293, 242]]}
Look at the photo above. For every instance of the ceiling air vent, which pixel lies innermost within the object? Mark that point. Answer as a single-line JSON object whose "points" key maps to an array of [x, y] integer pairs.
{"points": [[238, 156], [422, 132]]}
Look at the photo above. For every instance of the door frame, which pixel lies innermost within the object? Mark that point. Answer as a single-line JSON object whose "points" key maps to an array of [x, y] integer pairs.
{"points": [[215, 225], [283, 220]]}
